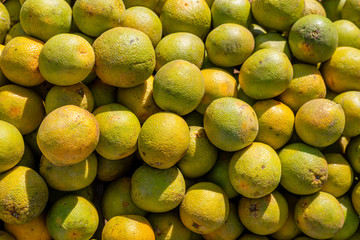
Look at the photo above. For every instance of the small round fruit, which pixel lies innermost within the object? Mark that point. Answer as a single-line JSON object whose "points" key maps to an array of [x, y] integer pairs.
{"points": [[181, 45], [307, 84], [4, 23], [200, 156], [93, 17], [44, 19], [320, 122], [164, 139], [229, 45], [21, 107], [72, 216], [157, 190], [124, 57], [277, 14], [110, 170], [265, 74], [117, 200], [350, 103], [23, 195], [348, 33], [78, 94], [66, 59], [276, 122], [205, 208], [304, 169], [255, 179], [119, 131], [19, 61], [319, 215], [233, 11], [68, 135], [313, 39], [340, 71], [273, 40], [218, 83], [313, 7], [351, 11], [193, 16], [145, 20], [264, 215], [353, 153], [230, 124], [355, 198], [178, 87], [69, 178], [128, 227], [12, 146]]}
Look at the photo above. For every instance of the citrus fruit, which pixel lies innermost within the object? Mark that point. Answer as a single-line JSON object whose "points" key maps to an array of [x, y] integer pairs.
{"points": [[124, 57], [109, 170], [340, 71], [307, 84], [255, 179], [15, 31], [313, 39], [351, 222], [333, 8], [168, 226], [178, 87], [66, 59], [4, 23], [355, 196], [119, 131], [157, 190], [233, 11], [78, 94], [250, 236], [273, 40], [289, 230], [258, 85], [340, 175], [180, 45], [219, 174], [164, 139], [353, 153], [277, 14], [35, 229], [264, 215], [351, 11], [28, 158], [128, 227], [256, 30], [103, 93], [218, 83], [320, 122], [93, 17], [68, 135], [313, 7], [319, 215], [23, 195], [117, 200], [205, 208], [229, 45], [145, 20], [151, 4], [194, 119], [139, 99], [86, 192], [21, 107], [230, 124], [3, 79], [13, 8], [276, 122], [72, 217], [231, 229], [304, 169], [348, 32], [200, 156], [193, 16], [350, 103], [12, 146], [69, 178], [19, 61], [43, 19]]}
